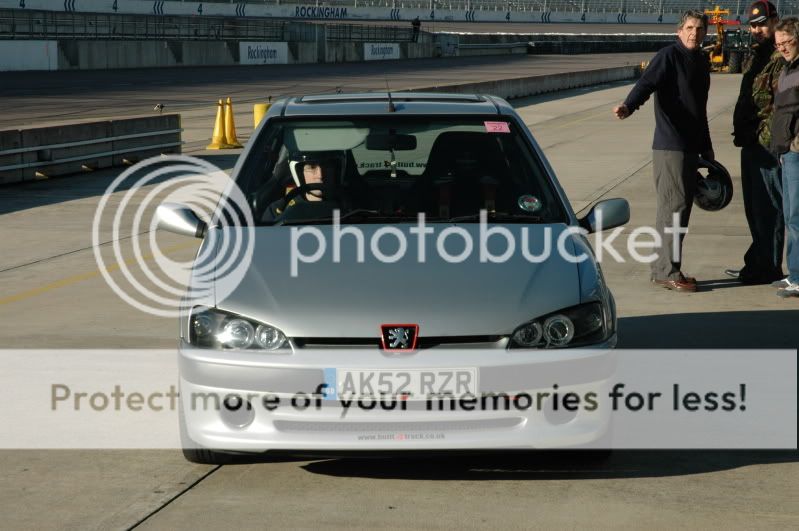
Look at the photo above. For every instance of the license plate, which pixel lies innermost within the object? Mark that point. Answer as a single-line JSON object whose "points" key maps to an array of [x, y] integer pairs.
{"points": [[411, 384]]}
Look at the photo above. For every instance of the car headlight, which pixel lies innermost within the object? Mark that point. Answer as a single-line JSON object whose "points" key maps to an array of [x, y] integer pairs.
{"points": [[209, 328], [582, 325]]}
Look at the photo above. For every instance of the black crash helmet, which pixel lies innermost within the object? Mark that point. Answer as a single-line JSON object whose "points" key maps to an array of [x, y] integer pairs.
{"points": [[714, 190]]}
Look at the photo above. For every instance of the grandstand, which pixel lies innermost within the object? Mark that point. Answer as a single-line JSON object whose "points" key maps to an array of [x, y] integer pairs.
{"points": [[736, 7]]}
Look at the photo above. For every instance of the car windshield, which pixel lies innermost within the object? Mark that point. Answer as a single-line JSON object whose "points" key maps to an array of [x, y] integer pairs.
{"points": [[391, 170]]}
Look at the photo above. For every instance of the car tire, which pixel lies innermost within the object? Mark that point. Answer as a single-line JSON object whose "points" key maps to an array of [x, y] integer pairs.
{"points": [[595, 456], [734, 63], [195, 453], [598, 451]]}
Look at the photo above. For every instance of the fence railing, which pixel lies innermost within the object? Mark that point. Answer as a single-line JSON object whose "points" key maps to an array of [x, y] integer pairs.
{"points": [[25, 24], [18, 24], [364, 33]]}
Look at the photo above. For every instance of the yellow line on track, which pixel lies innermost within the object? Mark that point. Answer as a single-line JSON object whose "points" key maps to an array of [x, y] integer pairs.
{"points": [[74, 279]]}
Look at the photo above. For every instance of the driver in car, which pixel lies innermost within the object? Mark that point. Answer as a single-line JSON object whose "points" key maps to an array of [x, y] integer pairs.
{"points": [[312, 173]]}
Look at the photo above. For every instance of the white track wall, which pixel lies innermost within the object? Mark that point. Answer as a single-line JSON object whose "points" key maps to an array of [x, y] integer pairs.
{"points": [[28, 55], [338, 13]]}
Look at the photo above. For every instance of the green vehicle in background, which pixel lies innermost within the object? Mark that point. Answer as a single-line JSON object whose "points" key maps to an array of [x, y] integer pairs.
{"points": [[728, 54], [737, 45]]}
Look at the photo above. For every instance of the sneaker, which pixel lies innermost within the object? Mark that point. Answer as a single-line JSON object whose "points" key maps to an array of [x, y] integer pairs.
{"points": [[733, 273], [791, 291], [784, 283]]}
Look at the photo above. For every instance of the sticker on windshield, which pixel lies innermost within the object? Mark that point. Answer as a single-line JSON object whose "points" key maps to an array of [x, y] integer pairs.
{"points": [[530, 203], [497, 127]]}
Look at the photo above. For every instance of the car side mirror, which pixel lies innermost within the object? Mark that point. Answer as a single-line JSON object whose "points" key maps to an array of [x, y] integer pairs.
{"points": [[606, 214], [179, 219]]}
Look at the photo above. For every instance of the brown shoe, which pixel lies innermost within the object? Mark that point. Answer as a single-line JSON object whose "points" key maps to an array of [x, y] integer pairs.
{"points": [[682, 284]]}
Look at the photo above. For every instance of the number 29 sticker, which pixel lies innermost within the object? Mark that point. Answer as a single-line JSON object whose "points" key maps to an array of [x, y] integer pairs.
{"points": [[497, 127]]}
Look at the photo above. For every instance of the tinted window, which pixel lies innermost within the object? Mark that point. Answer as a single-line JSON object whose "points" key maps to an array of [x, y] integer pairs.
{"points": [[384, 170]]}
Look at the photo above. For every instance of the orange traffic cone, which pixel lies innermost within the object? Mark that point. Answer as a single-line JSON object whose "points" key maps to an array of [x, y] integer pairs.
{"points": [[218, 141], [230, 126]]}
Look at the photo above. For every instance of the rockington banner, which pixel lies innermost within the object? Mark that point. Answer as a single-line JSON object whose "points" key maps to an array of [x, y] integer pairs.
{"points": [[378, 51], [263, 53]]}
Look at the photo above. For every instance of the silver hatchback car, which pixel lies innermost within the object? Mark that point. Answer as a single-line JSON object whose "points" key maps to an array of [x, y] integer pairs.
{"points": [[415, 270]]}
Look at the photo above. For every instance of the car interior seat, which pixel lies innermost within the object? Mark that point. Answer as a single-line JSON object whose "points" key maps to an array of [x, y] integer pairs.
{"points": [[465, 172]]}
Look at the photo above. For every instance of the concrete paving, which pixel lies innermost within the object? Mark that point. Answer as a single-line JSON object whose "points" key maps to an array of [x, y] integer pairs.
{"points": [[597, 156], [34, 99], [52, 296]]}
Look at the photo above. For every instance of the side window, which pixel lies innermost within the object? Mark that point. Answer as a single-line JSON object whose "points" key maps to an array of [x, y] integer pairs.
{"points": [[266, 168]]}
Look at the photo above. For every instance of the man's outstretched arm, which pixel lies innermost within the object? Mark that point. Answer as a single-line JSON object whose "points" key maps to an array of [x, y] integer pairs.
{"points": [[650, 80]]}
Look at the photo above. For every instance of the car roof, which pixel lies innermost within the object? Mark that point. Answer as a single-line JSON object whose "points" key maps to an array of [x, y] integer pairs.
{"points": [[405, 103]]}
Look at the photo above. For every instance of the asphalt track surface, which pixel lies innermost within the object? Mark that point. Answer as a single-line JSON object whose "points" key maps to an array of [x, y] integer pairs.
{"points": [[51, 295], [36, 98]]}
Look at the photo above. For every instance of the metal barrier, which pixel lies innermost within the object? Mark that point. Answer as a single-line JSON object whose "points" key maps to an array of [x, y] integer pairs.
{"points": [[496, 45], [485, 48], [38, 152]]}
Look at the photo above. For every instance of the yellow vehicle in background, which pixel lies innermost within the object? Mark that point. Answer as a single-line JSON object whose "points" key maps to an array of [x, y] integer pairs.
{"points": [[728, 48]]}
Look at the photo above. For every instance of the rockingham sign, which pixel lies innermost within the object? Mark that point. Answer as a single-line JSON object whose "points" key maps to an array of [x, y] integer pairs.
{"points": [[320, 12], [378, 51], [263, 53]]}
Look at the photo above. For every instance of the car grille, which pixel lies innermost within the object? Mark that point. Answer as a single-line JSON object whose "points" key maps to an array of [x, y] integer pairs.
{"points": [[422, 343]]}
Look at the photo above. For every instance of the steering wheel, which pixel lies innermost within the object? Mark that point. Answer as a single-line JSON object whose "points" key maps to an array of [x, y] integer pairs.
{"points": [[305, 188], [317, 207]]}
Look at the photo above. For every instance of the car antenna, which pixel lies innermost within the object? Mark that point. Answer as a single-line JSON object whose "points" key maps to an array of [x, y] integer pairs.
{"points": [[391, 107]]}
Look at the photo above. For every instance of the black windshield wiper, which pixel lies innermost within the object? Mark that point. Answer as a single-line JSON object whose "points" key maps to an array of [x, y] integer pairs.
{"points": [[360, 213], [357, 215], [376, 216], [498, 218]]}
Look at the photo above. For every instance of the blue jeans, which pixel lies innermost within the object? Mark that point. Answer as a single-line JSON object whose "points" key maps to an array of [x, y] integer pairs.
{"points": [[761, 185], [790, 205]]}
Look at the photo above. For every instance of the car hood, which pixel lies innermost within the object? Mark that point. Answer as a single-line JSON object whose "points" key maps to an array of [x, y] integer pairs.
{"points": [[352, 299]]}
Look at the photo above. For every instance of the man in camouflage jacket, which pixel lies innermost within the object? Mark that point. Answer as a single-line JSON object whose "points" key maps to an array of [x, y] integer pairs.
{"points": [[760, 171]]}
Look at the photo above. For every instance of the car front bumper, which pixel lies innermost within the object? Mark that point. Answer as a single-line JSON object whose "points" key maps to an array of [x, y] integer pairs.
{"points": [[286, 412]]}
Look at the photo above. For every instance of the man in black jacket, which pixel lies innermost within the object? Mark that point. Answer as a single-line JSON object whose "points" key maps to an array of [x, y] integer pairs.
{"points": [[760, 173], [679, 76], [416, 24]]}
